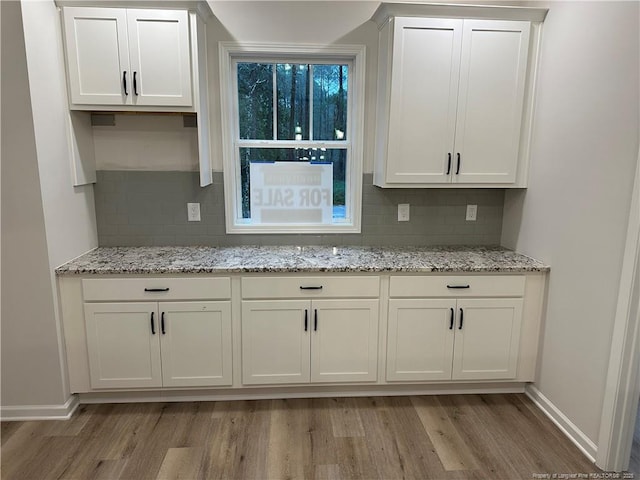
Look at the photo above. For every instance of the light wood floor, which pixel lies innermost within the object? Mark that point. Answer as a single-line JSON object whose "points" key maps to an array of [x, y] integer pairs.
{"points": [[432, 437]]}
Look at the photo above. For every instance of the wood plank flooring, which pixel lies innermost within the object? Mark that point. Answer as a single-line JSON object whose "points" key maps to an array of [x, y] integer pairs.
{"points": [[427, 437]]}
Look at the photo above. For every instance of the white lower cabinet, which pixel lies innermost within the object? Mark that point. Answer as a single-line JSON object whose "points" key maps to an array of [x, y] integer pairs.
{"points": [[453, 338], [122, 350], [419, 340], [301, 341], [275, 342], [487, 338], [154, 344]]}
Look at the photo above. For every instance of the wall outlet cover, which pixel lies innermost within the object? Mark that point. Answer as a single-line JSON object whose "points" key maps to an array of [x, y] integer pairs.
{"points": [[472, 213], [403, 212], [193, 212]]}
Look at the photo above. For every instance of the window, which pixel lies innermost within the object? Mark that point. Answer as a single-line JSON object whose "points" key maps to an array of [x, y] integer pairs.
{"points": [[292, 138]]}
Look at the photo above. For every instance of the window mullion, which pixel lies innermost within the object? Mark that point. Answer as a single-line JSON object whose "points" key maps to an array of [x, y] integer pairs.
{"points": [[311, 102], [275, 102]]}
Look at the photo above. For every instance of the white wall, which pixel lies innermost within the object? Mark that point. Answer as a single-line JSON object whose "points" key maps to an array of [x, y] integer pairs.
{"points": [[574, 214], [146, 142], [31, 371], [45, 220]]}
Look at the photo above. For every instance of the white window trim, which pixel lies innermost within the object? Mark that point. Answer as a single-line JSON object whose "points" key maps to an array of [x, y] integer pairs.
{"points": [[353, 53]]}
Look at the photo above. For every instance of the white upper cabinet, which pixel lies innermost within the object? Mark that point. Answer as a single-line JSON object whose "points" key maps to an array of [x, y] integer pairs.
{"points": [[128, 57], [493, 68], [97, 55], [454, 96], [159, 55], [424, 86]]}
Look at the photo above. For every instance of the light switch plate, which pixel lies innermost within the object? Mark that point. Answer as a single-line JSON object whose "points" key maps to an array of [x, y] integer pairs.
{"points": [[472, 213], [403, 212], [193, 212]]}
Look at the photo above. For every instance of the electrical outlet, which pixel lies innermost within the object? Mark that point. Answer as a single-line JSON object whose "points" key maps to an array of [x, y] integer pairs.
{"points": [[472, 213], [403, 212], [193, 212]]}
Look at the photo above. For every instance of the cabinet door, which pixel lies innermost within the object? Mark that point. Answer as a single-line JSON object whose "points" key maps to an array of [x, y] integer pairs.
{"points": [[424, 79], [123, 345], [275, 341], [492, 80], [160, 60], [344, 342], [420, 339], [97, 55], [195, 343], [486, 347]]}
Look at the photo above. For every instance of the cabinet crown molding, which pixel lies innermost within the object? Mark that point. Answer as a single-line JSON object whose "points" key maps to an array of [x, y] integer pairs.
{"points": [[199, 6], [489, 12]]}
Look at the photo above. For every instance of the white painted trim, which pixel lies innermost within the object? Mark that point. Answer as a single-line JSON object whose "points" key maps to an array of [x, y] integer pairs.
{"points": [[567, 427], [488, 12], [620, 402], [40, 412], [298, 392], [355, 54]]}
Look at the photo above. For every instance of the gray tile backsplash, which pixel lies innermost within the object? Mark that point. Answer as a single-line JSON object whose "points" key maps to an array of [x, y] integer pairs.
{"points": [[136, 208]]}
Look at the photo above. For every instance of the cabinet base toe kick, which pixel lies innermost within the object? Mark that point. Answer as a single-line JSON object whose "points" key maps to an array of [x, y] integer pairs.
{"points": [[264, 393]]}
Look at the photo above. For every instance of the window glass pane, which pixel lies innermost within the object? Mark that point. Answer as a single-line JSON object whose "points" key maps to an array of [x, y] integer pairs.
{"points": [[292, 81], [330, 102], [314, 155], [255, 101]]}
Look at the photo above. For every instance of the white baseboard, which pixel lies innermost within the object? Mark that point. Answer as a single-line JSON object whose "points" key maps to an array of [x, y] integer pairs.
{"points": [[40, 412], [268, 393], [579, 439]]}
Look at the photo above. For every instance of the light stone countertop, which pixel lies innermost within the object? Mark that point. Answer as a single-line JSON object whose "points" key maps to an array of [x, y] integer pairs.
{"points": [[293, 259]]}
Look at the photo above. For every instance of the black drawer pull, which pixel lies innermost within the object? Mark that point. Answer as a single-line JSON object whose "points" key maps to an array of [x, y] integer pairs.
{"points": [[153, 325], [461, 319], [451, 319], [457, 168], [311, 288], [124, 82], [306, 319], [135, 90], [449, 164], [458, 286], [156, 289], [162, 323]]}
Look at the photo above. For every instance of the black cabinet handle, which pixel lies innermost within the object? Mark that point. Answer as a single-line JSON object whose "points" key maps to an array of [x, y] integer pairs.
{"points": [[124, 82], [311, 288], [162, 323], [449, 164], [457, 168], [451, 319], [153, 325], [458, 286], [306, 319], [135, 92], [315, 320], [461, 319], [156, 289]]}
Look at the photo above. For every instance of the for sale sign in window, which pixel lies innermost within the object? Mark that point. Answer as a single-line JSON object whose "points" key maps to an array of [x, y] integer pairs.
{"points": [[291, 192]]}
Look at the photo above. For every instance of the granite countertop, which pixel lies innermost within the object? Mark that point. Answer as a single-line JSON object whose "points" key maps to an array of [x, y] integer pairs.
{"points": [[292, 259]]}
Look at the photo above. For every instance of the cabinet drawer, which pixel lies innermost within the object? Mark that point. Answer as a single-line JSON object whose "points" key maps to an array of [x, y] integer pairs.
{"points": [[102, 289], [308, 287], [457, 286]]}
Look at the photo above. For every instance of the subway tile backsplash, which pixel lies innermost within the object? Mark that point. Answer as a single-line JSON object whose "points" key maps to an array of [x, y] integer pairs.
{"points": [[137, 208]]}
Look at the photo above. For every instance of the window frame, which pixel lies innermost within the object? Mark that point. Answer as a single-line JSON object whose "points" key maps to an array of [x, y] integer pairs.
{"points": [[353, 55]]}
